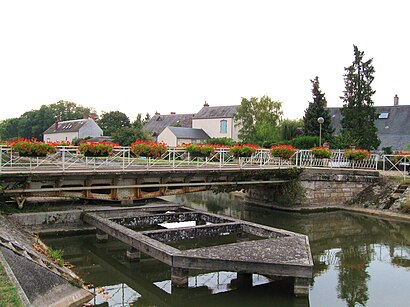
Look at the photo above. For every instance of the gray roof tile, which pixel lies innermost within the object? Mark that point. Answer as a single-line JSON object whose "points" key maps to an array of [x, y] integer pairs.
{"points": [[66, 126], [189, 133], [157, 123], [217, 112]]}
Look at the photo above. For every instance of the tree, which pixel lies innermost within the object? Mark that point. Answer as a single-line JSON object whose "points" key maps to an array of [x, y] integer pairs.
{"points": [[259, 119], [112, 121], [316, 109], [290, 128], [358, 113], [125, 136]]}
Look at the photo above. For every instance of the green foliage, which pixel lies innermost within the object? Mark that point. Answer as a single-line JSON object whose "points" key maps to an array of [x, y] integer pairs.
{"points": [[27, 148], [358, 112], [96, 149], [8, 292], [143, 148], [305, 141], [357, 154], [112, 121], [321, 152], [244, 150], [316, 109], [78, 141], [283, 151], [289, 129], [259, 119], [387, 150], [221, 141], [200, 150], [56, 255], [125, 136]]}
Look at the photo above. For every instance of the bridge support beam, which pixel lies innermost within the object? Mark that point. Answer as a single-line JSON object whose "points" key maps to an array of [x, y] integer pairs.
{"points": [[101, 236], [133, 254], [179, 277], [301, 287]]}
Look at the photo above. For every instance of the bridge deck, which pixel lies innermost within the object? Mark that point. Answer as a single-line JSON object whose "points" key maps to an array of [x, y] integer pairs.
{"points": [[250, 248]]}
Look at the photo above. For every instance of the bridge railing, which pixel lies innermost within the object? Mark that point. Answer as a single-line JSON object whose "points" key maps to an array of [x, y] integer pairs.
{"points": [[399, 163], [69, 158]]}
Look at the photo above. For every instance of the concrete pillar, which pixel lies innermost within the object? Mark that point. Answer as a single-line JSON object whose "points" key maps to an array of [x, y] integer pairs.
{"points": [[244, 280], [133, 254], [179, 277], [101, 236], [301, 287]]}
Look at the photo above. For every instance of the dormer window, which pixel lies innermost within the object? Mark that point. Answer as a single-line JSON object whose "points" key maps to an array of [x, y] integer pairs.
{"points": [[384, 115]]}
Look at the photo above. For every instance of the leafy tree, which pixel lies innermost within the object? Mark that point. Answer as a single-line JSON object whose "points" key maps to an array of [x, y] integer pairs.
{"points": [[125, 136], [220, 141], [290, 129], [259, 119], [146, 118], [9, 128], [358, 112], [316, 109], [112, 121], [67, 110]]}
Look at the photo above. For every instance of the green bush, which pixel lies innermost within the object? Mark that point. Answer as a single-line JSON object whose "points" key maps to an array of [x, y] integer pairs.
{"points": [[305, 142], [221, 141]]}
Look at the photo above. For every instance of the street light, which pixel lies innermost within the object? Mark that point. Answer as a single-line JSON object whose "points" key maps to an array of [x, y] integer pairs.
{"points": [[320, 120]]}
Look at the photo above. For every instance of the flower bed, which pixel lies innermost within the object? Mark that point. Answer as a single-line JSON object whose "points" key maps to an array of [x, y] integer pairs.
{"points": [[321, 152], [244, 150], [283, 151], [200, 150], [148, 149], [31, 148], [96, 149], [357, 154]]}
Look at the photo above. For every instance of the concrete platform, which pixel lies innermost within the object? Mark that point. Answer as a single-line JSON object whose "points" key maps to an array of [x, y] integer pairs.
{"points": [[246, 248]]}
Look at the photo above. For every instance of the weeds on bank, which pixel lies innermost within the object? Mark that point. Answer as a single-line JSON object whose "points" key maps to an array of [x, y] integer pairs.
{"points": [[8, 292]]}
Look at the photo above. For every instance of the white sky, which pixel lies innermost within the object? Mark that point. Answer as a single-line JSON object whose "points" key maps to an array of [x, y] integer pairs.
{"points": [[146, 56]]}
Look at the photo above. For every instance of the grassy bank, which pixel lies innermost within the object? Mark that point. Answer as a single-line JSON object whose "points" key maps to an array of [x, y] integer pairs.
{"points": [[8, 293]]}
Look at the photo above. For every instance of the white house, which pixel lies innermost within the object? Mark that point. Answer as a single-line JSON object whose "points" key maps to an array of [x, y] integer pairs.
{"points": [[217, 121], [175, 136], [71, 129]]}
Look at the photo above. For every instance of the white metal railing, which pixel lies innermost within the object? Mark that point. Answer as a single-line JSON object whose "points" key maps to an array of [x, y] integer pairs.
{"points": [[69, 158]]}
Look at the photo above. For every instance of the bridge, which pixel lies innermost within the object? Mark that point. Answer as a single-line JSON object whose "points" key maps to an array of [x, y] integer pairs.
{"points": [[125, 178]]}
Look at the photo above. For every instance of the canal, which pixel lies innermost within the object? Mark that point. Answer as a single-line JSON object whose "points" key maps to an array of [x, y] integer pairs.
{"points": [[359, 261]]}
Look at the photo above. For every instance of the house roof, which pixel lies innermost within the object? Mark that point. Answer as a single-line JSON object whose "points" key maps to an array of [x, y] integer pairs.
{"points": [[216, 112], [188, 133], [157, 123], [67, 126], [393, 125]]}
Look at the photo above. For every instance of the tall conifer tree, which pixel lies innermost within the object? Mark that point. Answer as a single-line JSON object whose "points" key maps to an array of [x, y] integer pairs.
{"points": [[358, 112]]}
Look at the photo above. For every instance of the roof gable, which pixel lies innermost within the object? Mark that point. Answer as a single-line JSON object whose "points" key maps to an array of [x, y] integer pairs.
{"points": [[67, 126], [157, 123]]}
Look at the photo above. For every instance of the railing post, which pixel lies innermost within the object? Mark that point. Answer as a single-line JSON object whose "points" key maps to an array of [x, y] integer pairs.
{"points": [[384, 162], [173, 158], [63, 157]]}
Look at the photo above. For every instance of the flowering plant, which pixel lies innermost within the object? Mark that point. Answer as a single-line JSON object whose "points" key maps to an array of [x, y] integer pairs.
{"points": [[357, 154], [200, 150], [244, 150], [321, 152], [31, 148], [63, 143], [96, 149], [148, 149], [283, 151], [401, 155]]}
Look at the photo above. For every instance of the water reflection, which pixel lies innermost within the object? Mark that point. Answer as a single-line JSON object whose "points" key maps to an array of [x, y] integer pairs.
{"points": [[358, 261]]}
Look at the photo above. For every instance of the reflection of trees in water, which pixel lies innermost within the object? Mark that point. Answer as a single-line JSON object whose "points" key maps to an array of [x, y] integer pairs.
{"points": [[353, 277]]}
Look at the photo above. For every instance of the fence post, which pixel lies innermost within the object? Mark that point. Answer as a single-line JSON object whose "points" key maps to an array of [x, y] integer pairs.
{"points": [[63, 157]]}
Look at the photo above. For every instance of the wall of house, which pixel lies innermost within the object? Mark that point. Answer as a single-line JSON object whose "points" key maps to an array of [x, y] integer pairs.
{"points": [[167, 137], [90, 128], [55, 137], [212, 127]]}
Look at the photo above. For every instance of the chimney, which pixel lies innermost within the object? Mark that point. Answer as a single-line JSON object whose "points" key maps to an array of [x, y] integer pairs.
{"points": [[93, 116], [157, 113], [206, 104], [173, 113], [396, 100], [56, 123], [85, 115]]}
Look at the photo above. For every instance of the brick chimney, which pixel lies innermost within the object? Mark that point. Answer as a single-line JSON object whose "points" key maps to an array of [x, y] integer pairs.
{"points": [[56, 123], [157, 113], [206, 104], [396, 100], [93, 116], [173, 113]]}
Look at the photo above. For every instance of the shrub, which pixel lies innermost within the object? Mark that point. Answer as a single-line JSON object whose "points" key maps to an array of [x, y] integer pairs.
{"points": [[148, 149], [31, 148], [221, 141], [244, 150], [200, 150], [282, 151], [321, 152], [305, 142], [357, 154], [96, 149]]}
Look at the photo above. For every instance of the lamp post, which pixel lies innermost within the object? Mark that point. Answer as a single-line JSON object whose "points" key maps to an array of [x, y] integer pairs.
{"points": [[320, 120]]}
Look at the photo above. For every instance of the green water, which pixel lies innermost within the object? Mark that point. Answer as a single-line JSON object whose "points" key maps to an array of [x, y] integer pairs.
{"points": [[359, 261]]}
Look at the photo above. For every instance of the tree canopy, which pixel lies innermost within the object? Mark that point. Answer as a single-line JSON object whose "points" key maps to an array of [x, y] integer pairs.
{"points": [[316, 109], [259, 119], [358, 113], [112, 121]]}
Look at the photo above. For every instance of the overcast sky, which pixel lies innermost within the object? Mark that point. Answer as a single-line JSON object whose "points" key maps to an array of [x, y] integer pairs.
{"points": [[147, 56]]}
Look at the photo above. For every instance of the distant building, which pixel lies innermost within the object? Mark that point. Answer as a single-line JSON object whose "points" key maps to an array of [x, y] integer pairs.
{"points": [[217, 121], [175, 136], [71, 129], [393, 124], [159, 122]]}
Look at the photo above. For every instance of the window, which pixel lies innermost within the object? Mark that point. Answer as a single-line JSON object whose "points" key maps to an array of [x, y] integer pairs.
{"points": [[223, 126], [384, 115]]}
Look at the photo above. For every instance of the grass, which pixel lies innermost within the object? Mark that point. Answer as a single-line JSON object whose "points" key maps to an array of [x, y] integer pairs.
{"points": [[56, 255], [8, 293]]}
